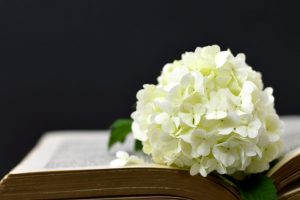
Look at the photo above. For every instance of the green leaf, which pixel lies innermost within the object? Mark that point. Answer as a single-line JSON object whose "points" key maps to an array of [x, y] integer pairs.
{"points": [[119, 131], [138, 146], [258, 187]]}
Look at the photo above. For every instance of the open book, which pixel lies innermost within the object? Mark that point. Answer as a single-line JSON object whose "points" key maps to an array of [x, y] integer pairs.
{"points": [[76, 165]]}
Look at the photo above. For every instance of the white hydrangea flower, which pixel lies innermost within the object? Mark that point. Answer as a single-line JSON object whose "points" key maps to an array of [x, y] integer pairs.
{"points": [[209, 112], [124, 159]]}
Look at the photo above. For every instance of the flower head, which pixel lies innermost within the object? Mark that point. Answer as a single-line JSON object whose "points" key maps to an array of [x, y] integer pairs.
{"points": [[209, 112]]}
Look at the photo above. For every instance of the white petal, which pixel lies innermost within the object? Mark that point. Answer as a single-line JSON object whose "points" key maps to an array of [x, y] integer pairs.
{"points": [[177, 74], [211, 164], [199, 110], [256, 124], [267, 96], [221, 169], [246, 96], [248, 88], [203, 171], [122, 155], [242, 131], [168, 126], [187, 118], [118, 163], [176, 121], [258, 151], [164, 105], [186, 80], [252, 133], [273, 137], [187, 137], [203, 149], [138, 133], [198, 82], [194, 169], [222, 57], [227, 159], [253, 129], [219, 114], [134, 160], [161, 118], [251, 150], [225, 131], [197, 118]]}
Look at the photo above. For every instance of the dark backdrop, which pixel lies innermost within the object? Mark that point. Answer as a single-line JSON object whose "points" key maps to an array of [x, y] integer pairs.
{"points": [[78, 64]]}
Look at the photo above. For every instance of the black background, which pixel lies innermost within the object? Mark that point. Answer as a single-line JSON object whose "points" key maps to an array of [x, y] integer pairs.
{"points": [[78, 64]]}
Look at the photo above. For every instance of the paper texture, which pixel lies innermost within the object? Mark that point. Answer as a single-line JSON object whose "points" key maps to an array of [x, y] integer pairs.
{"points": [[291, 137], [63, 150]]}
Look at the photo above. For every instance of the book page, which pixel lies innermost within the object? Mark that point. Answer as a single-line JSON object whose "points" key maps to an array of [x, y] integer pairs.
{"points": [[291, 137], [66, 150], [63, 150]]}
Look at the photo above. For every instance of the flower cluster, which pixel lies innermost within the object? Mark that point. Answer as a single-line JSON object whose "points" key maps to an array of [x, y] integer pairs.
{"points": [[209, 112]]}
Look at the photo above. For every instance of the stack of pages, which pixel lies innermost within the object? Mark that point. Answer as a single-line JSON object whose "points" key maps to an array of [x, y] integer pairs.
{"points": [[76, 165]]}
